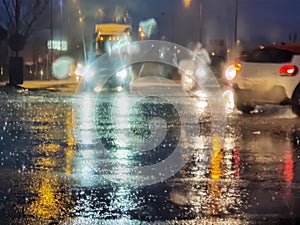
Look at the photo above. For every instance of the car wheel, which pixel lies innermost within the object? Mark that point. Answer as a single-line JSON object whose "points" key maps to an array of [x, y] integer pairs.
{"points": [[242, 106], [296, 102], [245, 108]]}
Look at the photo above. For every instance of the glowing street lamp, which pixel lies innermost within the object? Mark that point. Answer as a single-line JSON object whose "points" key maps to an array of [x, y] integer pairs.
{"points": [[186, 3]]}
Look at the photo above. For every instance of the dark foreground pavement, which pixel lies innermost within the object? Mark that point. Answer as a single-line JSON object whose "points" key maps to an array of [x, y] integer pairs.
{"points": [[53, 170]]}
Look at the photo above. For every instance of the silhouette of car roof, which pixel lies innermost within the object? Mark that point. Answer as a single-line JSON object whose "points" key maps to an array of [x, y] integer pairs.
{"points": [[292, 47]]}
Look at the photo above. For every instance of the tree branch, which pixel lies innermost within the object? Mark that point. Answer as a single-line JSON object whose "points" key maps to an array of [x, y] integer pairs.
{"points": [[9, 14], [37, 11]]}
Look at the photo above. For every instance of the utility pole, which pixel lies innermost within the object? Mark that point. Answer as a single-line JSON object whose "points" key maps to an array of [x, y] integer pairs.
{"points": [[61, 22], [235, 21], [51, 38], [200, 20]]}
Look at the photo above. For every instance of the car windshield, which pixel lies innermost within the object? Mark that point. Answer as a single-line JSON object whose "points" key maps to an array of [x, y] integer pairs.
{"points": [[118, 112]]}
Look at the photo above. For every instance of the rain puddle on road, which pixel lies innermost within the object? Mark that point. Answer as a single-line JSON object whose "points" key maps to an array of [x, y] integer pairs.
{"points": [[61, 167]]}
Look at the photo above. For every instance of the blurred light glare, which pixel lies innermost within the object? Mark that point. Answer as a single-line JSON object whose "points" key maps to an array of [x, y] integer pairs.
{"points": [[202, 105], [187, 82], [230, 72], [147, 27], [200, 94], [97, 89], [100, 12], [122, 74], [228, 97], [79, 70], [89, 74], [189, 72], [61, 67], [187, 3], [117, 43], [200, 73]]}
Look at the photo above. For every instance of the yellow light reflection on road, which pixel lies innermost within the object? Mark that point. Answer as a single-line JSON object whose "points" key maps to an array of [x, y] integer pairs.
{"points": [[48, 149], [220, 192], [216, 159], [216, 172], [48, 203], [71, 142]]}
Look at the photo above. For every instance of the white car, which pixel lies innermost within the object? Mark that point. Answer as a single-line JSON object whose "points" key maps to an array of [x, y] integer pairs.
{"points": [[266, 75]]}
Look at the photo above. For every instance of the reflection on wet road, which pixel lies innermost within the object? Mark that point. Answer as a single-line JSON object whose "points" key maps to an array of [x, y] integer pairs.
{"points": [[60, 156]]}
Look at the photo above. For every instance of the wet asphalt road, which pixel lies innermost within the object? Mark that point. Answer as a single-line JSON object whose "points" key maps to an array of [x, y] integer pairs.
{"points": [[66, 160]]}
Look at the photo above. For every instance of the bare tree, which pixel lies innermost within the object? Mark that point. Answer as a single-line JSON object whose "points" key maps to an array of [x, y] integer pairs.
{"points": [[21, 16], [18, 18], [3, 34]]}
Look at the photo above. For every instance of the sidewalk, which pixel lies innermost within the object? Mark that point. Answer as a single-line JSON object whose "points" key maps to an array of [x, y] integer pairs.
{"points": [[65, 85]]}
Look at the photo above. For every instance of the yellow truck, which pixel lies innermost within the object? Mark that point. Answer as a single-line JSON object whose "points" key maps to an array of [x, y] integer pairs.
{"points": [[111, 35]]}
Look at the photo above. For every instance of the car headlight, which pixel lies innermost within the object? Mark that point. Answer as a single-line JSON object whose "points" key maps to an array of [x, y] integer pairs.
{"points": [[122, 74], [232, 70]]}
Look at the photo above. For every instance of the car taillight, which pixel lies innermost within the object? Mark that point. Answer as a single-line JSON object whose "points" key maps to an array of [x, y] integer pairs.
{"points": [[288, 70], [232, 70]]}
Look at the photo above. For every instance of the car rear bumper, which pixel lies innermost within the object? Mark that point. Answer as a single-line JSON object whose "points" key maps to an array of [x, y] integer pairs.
{"points": [[275, 95]]}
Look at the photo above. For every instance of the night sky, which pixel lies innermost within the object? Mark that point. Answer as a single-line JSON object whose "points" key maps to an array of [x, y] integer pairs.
{"points": [[259, 21]]}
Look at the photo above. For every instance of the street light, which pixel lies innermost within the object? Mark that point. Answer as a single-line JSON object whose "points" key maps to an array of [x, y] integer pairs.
{"points": [[235, 21], [186, 3], [200, 20]]}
